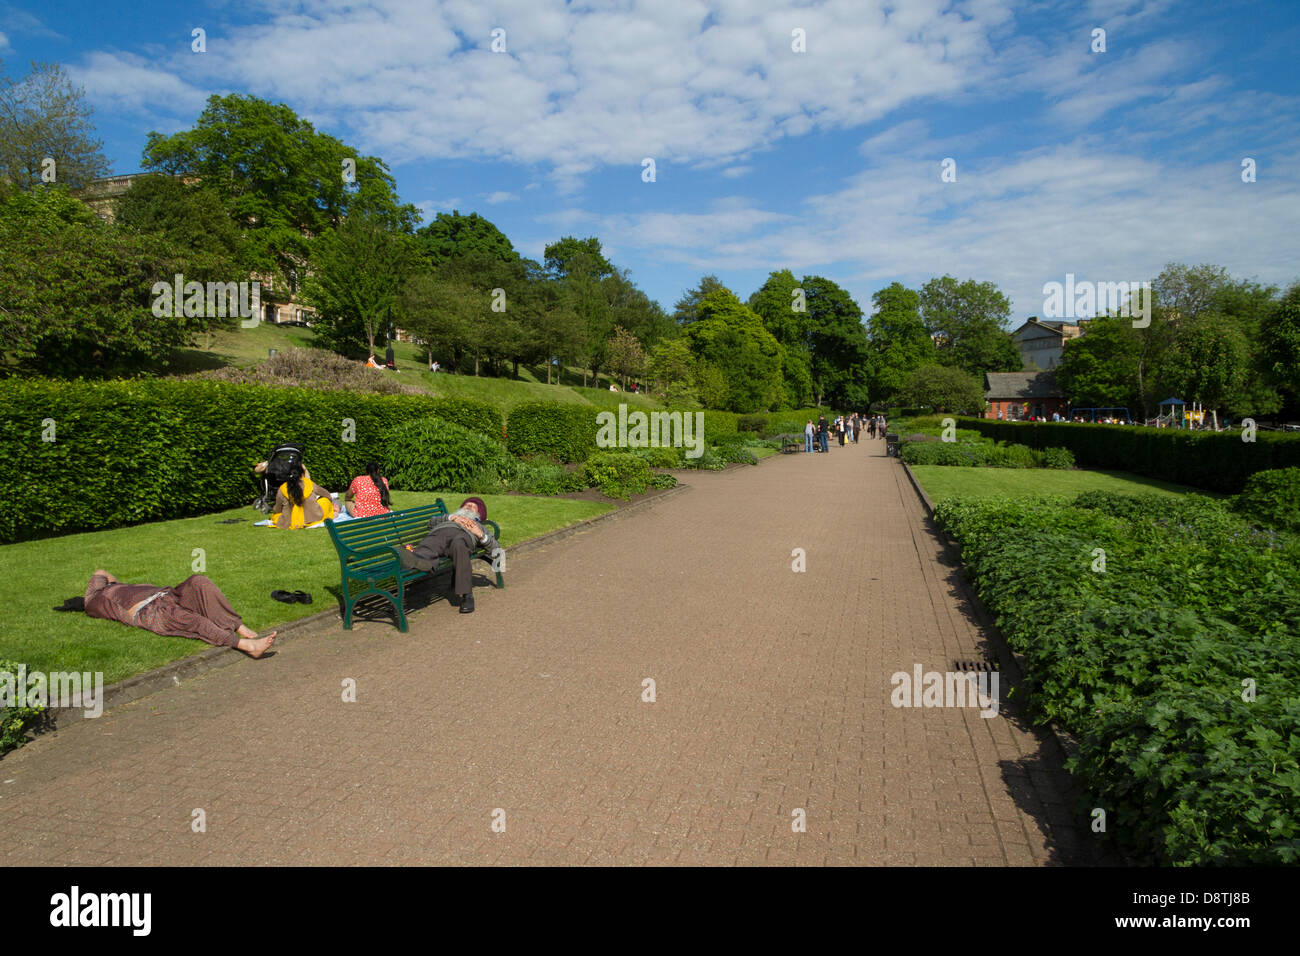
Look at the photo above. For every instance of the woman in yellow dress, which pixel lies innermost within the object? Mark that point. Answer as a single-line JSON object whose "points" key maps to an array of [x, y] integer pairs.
{"points": [[301, 503]]}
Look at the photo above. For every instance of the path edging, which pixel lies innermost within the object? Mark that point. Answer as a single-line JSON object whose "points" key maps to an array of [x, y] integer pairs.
{"points": [[171, 674], [1063, 740]]}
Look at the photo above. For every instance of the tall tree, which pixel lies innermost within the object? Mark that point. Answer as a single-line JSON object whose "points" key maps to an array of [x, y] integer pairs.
{"points": [[359, 272], [453, 236], [1280, 342], [44, 117], [282, 180], [1100, 369], [76, 293], [838, 343], [730, 337], [967, 321], [686, 310], [564, 256], [898, 342]]}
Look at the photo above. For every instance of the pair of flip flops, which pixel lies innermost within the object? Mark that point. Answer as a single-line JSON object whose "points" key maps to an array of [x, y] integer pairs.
{"points": [[291, 597]]}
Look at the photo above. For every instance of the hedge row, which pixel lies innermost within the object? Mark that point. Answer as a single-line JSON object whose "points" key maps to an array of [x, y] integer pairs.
{"points": [[562, 430], [84, 456], [1216, 461], [470, 413]]}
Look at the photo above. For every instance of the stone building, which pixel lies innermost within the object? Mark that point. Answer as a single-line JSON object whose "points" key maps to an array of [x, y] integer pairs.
{"points": [[1041, 342]]}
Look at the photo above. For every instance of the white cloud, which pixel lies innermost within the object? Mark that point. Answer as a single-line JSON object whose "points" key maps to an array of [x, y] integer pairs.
{"points": [[127, 82], [735, 172], [498, 197]]}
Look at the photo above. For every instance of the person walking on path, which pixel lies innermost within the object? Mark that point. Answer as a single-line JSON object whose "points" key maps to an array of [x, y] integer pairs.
{"points": [[195, 608], [808, 432], [857, 427], [822, 432]]}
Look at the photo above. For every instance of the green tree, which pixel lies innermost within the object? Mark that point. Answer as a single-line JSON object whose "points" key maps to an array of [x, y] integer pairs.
{"points": [[897, 341], [686, 310], [838, 344], [1209, 363], [453, 236], [359, 272], [567, 255], [967, 321], [728, 336], [282, 181], [76, 293], [943, 388], [626, 357], [44, 116], [189, 216], [1100, 369], [1280, 341]]}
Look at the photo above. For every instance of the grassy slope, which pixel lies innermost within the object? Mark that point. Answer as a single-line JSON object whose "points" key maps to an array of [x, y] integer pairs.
{"points": [[246, 562], [941, 481]]}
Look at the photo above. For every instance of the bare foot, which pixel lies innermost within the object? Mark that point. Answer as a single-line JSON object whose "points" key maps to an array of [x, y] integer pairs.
{"points": [[256, 646]]}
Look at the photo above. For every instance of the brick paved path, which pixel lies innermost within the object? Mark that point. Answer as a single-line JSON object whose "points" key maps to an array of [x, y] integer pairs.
{"points": [[773, 693]]}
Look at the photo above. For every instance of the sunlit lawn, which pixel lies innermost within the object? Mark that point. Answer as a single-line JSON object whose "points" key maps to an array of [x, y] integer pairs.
{"points": [[943, 481], [246, 562]]}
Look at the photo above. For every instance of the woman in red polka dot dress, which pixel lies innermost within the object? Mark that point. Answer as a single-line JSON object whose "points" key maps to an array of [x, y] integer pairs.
{"points": [[371, 493]]}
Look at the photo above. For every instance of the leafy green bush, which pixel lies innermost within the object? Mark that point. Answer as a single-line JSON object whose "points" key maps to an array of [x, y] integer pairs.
{"points": [[1143, 659], [709, 460], [663, 481], [618, 474], [82, 456], [752, 423], [431, 454], [17, 720], [722, 439], [1272, 498], [564, 431], [719, 423], [669, 457], [1059, 458], [470, 413]]}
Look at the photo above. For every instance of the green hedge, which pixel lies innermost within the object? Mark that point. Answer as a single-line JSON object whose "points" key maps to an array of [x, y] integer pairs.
{"points": [[1216, 461], [979, 455], [130, 451], [1272, 498], [470, 413], [562, 430]]}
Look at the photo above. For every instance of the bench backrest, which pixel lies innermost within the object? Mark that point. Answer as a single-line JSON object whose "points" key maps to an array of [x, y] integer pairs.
{"points": [[397, 527]]}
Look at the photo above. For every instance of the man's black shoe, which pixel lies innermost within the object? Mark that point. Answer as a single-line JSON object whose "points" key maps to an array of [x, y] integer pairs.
{"points": [[467, 604]]}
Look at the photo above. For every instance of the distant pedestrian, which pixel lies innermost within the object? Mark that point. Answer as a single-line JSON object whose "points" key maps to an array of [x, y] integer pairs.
{"points": [[822, 433], [808, 432]]}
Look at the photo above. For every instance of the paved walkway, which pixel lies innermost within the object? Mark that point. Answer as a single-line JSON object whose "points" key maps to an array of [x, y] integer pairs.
{"points": [[772, 695]]}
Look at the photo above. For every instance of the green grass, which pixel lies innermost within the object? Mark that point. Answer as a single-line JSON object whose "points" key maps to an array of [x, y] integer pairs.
{"points": [[246, 562], [240, 348], [943, 481]]}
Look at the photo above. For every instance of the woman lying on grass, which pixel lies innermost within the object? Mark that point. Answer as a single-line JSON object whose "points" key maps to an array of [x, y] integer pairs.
{"points": [[195, 608]]}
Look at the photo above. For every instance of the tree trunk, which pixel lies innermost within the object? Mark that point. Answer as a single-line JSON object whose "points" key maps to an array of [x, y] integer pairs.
{"points": [[476, 364], [515, 375]]}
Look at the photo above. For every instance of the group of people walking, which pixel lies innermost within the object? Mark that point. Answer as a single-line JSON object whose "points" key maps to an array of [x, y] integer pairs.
{"points": [[846, 429]]}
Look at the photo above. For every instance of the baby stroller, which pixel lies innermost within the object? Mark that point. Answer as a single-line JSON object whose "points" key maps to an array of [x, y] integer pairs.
{"points": [[279, 469]]}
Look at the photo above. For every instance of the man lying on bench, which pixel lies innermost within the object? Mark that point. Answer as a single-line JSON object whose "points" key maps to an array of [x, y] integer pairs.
{"points": [[455, 536]]}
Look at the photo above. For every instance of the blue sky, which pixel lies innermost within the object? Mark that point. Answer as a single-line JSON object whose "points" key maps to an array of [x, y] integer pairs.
{"points": [[1106, 165]]}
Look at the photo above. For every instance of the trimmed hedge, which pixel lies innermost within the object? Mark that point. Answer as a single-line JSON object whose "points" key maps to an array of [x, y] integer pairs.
{"points": [[564, 431], [983, 455], [129, 451], [1216, 461], [470, 413]]}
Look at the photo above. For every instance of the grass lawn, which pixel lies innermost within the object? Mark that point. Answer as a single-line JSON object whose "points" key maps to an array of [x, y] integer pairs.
{"points": [[945, 481], [246, 562]]}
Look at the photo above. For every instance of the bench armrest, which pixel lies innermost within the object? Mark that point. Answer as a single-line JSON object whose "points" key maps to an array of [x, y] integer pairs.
{"points": [[371, 552], [496, 529]]}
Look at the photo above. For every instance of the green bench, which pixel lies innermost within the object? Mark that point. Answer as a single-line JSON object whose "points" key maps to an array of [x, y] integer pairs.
{"points": [[369, 549]]}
